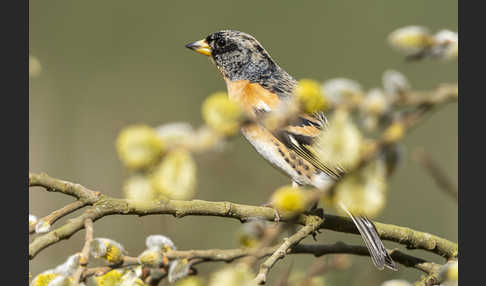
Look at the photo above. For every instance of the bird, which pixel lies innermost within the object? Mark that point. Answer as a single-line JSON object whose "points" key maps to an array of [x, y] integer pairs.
{"points": [[260, 86]]}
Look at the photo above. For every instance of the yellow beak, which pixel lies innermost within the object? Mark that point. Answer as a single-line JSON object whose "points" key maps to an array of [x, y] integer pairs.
{"points": [[201, 47]]}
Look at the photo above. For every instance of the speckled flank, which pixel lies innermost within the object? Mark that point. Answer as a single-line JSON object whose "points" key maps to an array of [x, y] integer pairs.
{"points": [[283, 158]]}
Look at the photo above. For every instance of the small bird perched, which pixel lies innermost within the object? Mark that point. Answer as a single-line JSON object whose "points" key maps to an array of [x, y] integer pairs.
{"points": [[260, 86]]}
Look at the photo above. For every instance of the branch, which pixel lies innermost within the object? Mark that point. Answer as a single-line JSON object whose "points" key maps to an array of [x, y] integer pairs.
{"points": [[106, 206], [83, 260], [411, 238], [230, 255], [55, 215], [97, 271], [55, 185], [311, 225]]}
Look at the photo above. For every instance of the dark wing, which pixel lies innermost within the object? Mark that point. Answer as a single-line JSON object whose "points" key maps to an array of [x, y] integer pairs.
{"points": [[300, 135]]}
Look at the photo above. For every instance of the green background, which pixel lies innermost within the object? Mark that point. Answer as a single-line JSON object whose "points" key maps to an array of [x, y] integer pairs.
{"points": [[107, 64]]}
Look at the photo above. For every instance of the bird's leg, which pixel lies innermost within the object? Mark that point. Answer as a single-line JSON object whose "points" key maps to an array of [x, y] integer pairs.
{"points": [[277, 215], [269, 205], [314, 210]]}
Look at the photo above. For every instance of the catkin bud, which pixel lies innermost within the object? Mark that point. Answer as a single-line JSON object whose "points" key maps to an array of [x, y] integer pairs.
{"points": [[159, 241], [131, 278], [139, 190], [396, 282], [176, 133], [363, 193], [446, 45], [395, 84], [32, 220], [151, 257], [42, 226], [107, 249], [310, 96], [375, 103], [138, 146], [252, 231], [178, 269], [290, 199], [394, 132], [111, 278], [175, 177], [339, 146], [234, 275], [449, 273], [221, 114], [341, 91], [411, 39], [190, 281], [49, 278], [69, 266]]}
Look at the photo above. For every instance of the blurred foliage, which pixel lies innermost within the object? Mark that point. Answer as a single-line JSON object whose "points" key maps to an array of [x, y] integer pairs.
{"points": [[127, 64]]}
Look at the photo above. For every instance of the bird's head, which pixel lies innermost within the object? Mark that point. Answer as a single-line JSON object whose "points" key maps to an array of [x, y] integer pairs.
{"points": [[237, 55]]}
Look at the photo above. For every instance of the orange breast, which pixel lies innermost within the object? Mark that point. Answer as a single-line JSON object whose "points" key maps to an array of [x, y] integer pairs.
{"points": [[251, 96]]}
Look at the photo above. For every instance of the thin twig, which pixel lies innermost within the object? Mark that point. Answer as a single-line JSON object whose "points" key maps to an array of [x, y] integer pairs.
{"points": [[318, 250], [97, 271], [230, 255], [269, 236], [65, 187], [311, 226], [83, 260], [435, 171], [56, 215]]}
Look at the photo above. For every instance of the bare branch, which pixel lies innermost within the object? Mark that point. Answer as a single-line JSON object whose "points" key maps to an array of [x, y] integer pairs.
{"points": [[65, 187], [83, 260], [105, 206], [311, 225], [55, 215], [229, 255]]}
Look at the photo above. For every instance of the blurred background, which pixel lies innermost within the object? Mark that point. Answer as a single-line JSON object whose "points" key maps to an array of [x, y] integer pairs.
{"points": [[107, 64]]}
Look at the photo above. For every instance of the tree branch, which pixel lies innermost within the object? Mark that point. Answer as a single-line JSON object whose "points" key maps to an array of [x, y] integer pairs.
{"points": [[105, 205], [83, 260], [311, 225], [317, 250], [55, 185], [55, 215]]}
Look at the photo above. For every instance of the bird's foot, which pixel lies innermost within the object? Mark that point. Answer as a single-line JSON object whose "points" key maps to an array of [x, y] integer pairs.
{"points": [[277, 215], [317, 212]]}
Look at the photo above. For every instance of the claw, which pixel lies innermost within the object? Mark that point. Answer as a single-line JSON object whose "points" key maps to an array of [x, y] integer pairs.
{"points": [[275, 211], [316, 211]]}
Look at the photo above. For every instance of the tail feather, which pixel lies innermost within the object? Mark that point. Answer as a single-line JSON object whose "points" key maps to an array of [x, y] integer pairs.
{"points": [[375, 246]]}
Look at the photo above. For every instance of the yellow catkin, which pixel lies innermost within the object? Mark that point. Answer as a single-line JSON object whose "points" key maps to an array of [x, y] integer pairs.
{"points": [[310, 96], [221, 114], [288, 198]]}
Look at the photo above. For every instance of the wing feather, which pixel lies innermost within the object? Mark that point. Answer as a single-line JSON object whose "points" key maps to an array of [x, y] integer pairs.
{"points": [[379, 255], [300, 135]]}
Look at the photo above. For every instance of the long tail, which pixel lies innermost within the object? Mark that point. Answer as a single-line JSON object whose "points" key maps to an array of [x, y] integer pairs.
{"points": [[375, 246]]}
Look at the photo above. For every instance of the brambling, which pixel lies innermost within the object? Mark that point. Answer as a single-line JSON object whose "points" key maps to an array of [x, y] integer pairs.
{"points": [[260, 86]]}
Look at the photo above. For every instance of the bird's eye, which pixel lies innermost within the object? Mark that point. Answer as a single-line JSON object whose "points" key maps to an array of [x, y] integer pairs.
{"points": [[221, 42]]}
